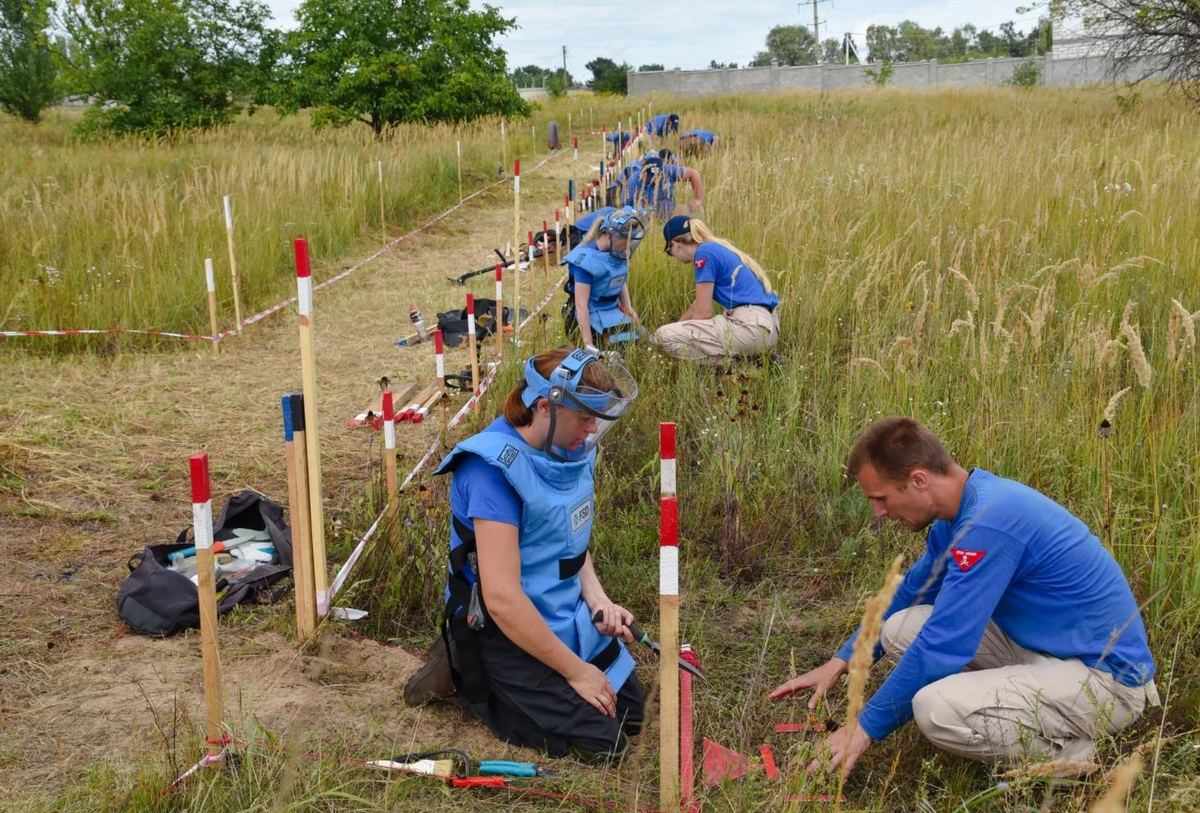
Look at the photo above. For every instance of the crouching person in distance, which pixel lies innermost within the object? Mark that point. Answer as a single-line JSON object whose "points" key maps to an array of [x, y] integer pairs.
{"points": [[598, 306], [697, 143], [525, 655], [729, 277], [1016, 635]]}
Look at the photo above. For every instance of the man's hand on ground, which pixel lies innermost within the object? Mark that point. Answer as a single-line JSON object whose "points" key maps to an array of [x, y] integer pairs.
{"points": [[820, 680], [841, 749]]}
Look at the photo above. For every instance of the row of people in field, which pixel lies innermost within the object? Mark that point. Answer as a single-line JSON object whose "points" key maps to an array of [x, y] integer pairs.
{"points": [[1015, 634]]}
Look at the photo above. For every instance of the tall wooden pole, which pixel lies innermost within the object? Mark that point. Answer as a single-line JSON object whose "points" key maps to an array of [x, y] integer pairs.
{"points": [[440, 372], [308, 371], [458, 150], [474, 348], [210, 282], [382, 211], [545, 246], [202, 528], [668, 624], [298, 513], [500, 310], [516, 243], [233, 272], [503, 147], [389, 451]]}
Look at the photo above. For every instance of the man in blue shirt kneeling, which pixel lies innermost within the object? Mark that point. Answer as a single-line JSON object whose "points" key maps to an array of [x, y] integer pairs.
{"points": [[1016, 635]]}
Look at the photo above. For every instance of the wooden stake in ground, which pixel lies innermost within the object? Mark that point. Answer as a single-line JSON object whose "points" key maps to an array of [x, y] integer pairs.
{"points": [[570, 214], [304, 292], [382, 212], [426, 405], [500, 311], [211, 282], [545, 246], [668, 624], [202, 529], [458, 150], [474, 348], [503, 148], [557, 240], [517, 237], [237, 296], [389, 451], [440, 372], [439, 359], [298, 513]]}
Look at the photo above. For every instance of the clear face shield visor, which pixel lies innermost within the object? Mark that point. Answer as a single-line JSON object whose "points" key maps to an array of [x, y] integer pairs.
{"points": [[626, 232], [565, 390]]}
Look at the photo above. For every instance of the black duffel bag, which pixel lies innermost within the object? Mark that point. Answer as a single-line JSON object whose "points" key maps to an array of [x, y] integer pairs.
{"points": [[156, 600]]}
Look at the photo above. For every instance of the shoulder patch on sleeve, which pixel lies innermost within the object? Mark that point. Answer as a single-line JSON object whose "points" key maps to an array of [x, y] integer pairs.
{"points": [[508, 454], [700, 263], [966, 558]]}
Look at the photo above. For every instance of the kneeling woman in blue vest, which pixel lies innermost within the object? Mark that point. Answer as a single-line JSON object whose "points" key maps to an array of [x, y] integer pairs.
{"points": [[521, 595], [598, 305]]}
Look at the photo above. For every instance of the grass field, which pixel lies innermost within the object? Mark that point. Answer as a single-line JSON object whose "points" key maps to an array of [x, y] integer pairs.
{"points": [[1011, 267]]}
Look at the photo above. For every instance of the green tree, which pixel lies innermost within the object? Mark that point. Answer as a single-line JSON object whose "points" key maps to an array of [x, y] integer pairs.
{"points": [[156, 66], [608, 76], [831, 51], [787, 45], [26, 62], [384, 62], [1152, 39], [653, 66], [533, 76]]}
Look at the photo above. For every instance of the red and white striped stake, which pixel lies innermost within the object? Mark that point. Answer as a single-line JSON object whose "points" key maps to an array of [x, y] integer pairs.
{"points": [[668, 621], [202, 529], [439, 356], [210, 283], [473, 347], [304, 299], [233, 272], [500, 311], [574, 149], [389, 450], [546, 246], [529, 258], [516, 236], [557, 232]]}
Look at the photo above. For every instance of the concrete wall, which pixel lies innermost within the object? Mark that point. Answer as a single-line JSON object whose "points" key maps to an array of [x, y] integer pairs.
{"points": [[1074, 70]]}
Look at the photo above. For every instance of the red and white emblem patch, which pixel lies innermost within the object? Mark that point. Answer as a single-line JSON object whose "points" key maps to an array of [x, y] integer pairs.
{"points": [[965, 558], [700, 264]]}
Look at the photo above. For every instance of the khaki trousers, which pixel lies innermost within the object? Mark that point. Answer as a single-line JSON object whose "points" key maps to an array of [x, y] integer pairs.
{"points": [[744, 331], [1012, 704]]}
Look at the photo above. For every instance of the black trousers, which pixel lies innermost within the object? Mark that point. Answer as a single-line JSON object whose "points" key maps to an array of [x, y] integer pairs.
{"points": [[530, 704]]}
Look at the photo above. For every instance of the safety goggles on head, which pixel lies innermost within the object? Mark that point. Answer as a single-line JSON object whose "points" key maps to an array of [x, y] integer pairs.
{"points": [[625, 229], [565, 389]]}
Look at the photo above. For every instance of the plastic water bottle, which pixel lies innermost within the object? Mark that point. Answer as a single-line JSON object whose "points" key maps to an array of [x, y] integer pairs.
{"points": [[418, 323]]}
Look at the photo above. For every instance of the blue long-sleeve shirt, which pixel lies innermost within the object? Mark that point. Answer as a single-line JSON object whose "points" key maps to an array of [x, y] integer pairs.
{"points": [[1016, 557]]}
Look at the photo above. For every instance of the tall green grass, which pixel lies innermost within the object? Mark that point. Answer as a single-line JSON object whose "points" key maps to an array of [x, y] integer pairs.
{"points": [[115, 234]]}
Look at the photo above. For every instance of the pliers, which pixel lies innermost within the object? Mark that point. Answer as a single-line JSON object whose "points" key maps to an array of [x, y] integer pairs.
{"points": [[503, 767]]}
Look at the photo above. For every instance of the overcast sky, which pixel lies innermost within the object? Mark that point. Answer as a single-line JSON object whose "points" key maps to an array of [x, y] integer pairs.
{"points": [[689, 33]]}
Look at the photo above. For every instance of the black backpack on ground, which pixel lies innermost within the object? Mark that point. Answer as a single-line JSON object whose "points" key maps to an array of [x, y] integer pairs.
{"points": [[156, 600]]}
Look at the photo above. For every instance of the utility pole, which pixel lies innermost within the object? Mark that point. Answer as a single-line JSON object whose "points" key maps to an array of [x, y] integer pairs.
{"points": [[816, 29], [564, 66], [816, 33]]}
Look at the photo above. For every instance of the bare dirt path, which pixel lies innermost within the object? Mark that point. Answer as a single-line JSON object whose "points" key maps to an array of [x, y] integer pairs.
{"points": [[93, 467]]}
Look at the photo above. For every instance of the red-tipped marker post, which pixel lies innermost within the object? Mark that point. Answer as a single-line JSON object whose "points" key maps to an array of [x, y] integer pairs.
{"points": [[668, 615], [474, 348], [500, 311], [202, 530], [304, 296], [516, 237]]}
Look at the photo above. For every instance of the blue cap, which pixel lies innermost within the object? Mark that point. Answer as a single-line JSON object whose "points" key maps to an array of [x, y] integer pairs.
{"points": [[675, 228]]}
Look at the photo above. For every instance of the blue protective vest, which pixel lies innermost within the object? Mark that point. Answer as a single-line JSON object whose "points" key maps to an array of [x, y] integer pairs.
{"points": [[556, 526], [609, 275]]}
